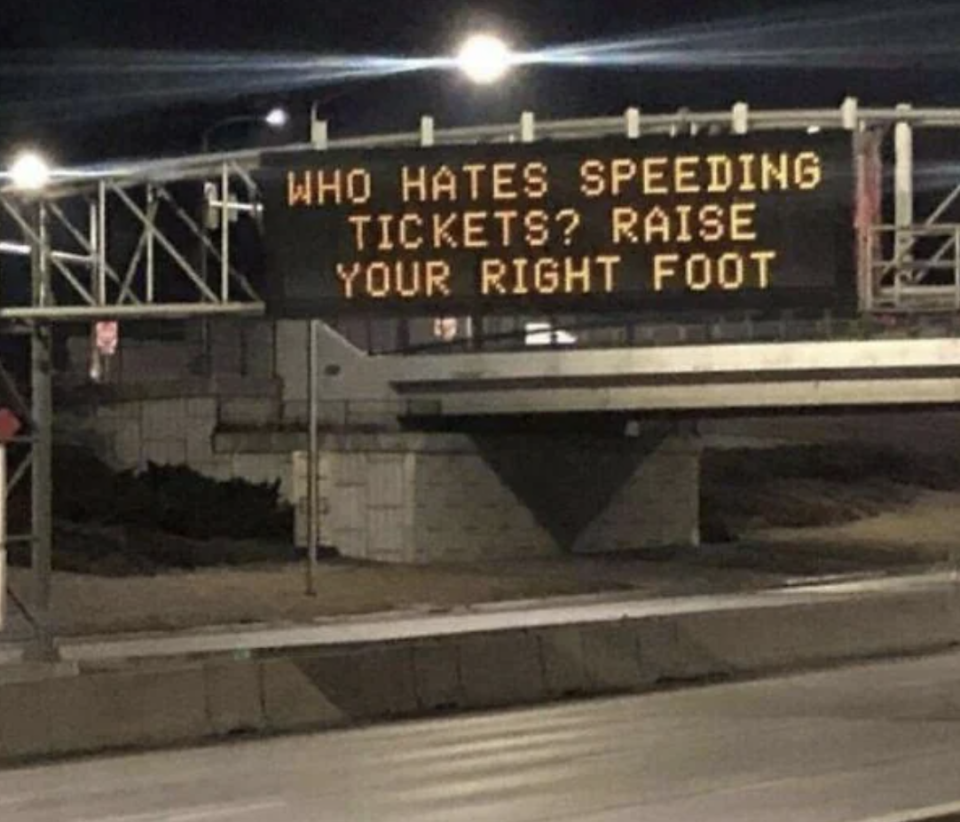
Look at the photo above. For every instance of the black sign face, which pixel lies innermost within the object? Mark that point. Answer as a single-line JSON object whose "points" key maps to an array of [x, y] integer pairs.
{"points": [[657, 224]]}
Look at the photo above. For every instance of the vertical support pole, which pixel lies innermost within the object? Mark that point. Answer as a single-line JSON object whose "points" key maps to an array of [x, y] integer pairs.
{"points": [[101, 290], [319, 138], [206, 355], [319, 129], [740, 118], [3, 533], [41, 467], [427, 132], [956, 268], [528, 128], [93, 236], [867, 288], [225, 234], [313, 454], [151, 242], [849, 114], [903, 187], [402, 324]]}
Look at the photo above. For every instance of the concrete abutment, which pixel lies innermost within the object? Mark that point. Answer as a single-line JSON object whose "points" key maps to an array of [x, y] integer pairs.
{"points": [[454, 497]]}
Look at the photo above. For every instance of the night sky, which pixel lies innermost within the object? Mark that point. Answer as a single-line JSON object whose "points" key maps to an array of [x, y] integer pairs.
{"points": [[85, 115]]}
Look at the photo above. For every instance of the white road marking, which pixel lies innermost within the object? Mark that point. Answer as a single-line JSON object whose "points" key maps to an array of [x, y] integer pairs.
{"points": [[932, 813], [190, 814]]}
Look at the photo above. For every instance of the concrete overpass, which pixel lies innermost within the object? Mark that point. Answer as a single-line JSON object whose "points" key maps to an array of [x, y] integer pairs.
{"points": [[747, 377]]}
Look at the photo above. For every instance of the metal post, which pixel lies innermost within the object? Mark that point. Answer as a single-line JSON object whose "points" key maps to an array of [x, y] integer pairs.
{"points": [[41, 468], [528, 127], [956, 268], [224, 233], [313, 453], [427, 131], [849, 114], [101, 247], [151, 244], [903, 186], [3, 533], [319, 129], [206, 355], [740, 118]]}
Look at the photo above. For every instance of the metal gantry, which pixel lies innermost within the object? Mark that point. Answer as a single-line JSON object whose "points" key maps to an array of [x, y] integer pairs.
{"points": [[132, 244], [171, 239], [126, 246]]}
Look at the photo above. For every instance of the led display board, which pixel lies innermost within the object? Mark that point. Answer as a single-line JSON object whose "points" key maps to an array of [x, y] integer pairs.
{"points": [[760, 221]]}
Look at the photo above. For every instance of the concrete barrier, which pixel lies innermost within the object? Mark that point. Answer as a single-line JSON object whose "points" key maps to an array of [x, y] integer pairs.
{"points": [[436, 672], [292, 699], [160, 702], [561, 653], [500, 669], [234, 691]]}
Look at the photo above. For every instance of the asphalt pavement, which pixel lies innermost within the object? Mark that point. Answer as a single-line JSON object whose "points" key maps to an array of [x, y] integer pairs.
{"points": [[872, 742]]}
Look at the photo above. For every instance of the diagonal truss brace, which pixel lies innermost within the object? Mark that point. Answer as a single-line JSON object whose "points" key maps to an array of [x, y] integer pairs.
{"points": [[97, 277]]}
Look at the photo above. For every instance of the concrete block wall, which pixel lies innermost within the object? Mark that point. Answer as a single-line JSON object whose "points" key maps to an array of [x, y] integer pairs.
{"points": [[433, 497], [353, 387], [464, 511], [160, 359], [129, 434], [242, 347]]}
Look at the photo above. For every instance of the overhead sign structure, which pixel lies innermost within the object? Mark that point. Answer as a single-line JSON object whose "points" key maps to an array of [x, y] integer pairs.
{"points": [[760, 221]]}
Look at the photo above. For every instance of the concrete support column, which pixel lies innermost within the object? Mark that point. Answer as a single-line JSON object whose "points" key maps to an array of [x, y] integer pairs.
{"points": [[903, 183]]}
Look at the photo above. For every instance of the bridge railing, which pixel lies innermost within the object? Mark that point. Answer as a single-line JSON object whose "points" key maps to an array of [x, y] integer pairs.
{"points": [[913, 268]]}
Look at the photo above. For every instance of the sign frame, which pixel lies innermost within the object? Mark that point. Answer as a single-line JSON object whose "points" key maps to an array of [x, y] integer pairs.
{"points": [[834, 290]]}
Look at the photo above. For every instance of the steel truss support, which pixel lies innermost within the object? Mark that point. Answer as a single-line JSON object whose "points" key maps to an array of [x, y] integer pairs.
{"points": [[110, 250], [41, 475], [116, 248]]}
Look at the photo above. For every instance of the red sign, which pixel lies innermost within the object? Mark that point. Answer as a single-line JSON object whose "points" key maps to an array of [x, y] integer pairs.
{"points": [[106, 337], [9, 425]]}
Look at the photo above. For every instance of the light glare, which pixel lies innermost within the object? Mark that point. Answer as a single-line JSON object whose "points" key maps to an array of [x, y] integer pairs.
{"points": [[30, 172], [277, 118], [484, 58]]}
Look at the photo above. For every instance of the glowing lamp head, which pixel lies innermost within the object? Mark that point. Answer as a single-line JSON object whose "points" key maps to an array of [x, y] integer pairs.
{"points": [[30, 172], [277, 118], [484, 58]]}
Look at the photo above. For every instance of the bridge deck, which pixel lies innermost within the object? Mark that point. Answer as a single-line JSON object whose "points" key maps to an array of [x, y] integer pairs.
{"points": [[783, 375]]}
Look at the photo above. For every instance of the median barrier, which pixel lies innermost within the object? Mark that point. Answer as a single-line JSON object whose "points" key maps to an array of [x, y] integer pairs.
{"points": [[145, 703]]}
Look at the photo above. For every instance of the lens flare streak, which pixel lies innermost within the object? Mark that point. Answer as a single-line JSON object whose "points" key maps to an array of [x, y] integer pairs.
{"points": [[67, 84]]}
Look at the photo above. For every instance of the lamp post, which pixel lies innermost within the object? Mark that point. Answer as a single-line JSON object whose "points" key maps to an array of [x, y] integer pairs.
{"points": [[276, 118]]}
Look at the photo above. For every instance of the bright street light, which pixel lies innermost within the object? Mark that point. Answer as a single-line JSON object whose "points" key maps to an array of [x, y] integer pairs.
{"points": [[30, 171], [277, 118], [484, 58]]}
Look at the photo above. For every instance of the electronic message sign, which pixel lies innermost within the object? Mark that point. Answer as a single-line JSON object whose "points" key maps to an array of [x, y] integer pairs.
{"points": [[761, 221]]}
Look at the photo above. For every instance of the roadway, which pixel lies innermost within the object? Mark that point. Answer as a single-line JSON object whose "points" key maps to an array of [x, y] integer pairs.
{"points": [[864, 743]]}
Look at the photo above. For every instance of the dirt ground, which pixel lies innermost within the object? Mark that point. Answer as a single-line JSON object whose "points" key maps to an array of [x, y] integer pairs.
{"points": [[922, 534], [275, 594]]}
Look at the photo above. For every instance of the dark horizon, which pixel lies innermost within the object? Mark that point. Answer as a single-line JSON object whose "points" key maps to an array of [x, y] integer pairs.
{"points": [[795, 57]]}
